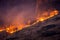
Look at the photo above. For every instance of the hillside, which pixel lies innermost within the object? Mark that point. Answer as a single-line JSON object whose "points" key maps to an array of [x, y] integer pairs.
{"points": [[47, 30]]}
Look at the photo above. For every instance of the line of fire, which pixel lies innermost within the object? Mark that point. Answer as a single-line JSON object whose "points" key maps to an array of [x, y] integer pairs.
{"points": [[39, 18]]}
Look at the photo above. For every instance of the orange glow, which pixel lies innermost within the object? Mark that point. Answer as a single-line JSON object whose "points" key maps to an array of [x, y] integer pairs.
{"points": [[10, 29], [46, 16], [13, 28], [39, 18], [2, 29], [55, 12]]}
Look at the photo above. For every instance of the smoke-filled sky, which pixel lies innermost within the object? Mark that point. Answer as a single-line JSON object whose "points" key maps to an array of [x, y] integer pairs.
{"points": [[20, 11]]}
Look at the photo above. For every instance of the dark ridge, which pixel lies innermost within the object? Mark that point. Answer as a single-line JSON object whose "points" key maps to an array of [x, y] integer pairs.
{"points": [[49, 26], [26, 38], [10, 39], [50, 33], [56, 19], [13, 38]]}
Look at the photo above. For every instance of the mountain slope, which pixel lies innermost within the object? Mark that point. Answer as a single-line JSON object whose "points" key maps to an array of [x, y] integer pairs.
{"points": [[47, 30]]}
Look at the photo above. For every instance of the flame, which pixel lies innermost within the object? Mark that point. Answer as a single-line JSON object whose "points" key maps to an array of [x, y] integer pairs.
{"points": [[2, 29], [39, 18], [47, 15], [13, 28]]}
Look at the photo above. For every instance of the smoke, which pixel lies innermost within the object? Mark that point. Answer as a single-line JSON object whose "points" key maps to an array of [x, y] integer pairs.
{"points": [[17, 14], [21, 11]]}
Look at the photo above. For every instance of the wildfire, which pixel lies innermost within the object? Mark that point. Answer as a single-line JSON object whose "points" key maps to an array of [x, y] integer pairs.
{"points": [[14, 28], [11, 29], [47, 15]]}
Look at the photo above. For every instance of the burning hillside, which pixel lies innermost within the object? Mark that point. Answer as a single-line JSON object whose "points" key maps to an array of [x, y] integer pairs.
{"points": [[29, 19], [15, 17], [47, 30], [13, 28], [15, 22]]}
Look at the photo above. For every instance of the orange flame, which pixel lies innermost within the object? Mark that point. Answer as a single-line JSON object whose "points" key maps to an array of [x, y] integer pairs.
{"points": [[2, 29], [46, 15], [14, 28]]}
